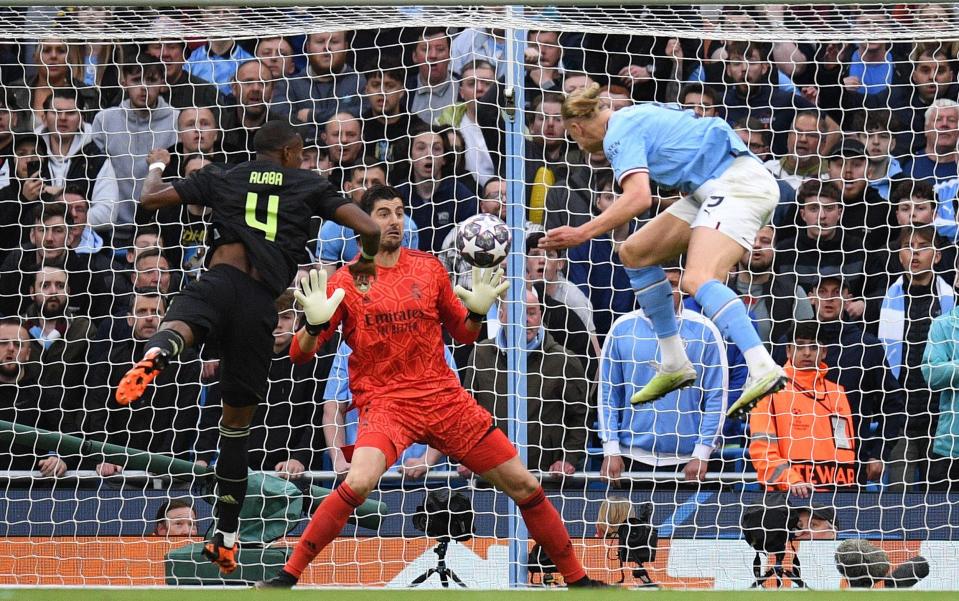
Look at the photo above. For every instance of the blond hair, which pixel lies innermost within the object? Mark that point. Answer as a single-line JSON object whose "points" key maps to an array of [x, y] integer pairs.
{"points": [[582, 103], [614, 511]]}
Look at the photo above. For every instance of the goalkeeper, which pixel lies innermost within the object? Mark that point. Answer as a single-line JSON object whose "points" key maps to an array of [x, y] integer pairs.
{"points": [[403, 387], [728, 196]]}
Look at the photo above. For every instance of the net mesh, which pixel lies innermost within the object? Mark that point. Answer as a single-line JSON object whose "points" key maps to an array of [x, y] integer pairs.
{"points": [[852, 109]]}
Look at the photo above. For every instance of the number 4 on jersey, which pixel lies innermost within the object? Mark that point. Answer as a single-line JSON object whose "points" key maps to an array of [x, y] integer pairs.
{"points": [[268, 227]]}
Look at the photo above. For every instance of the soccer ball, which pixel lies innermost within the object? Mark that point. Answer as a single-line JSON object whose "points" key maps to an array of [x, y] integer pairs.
{"points": [[483, 240]]}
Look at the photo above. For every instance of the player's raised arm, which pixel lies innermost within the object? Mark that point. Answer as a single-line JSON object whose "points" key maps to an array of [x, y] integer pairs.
{"points": [[588, 123], [634, 201], [321, 312], [156, 193], [488, 285]]}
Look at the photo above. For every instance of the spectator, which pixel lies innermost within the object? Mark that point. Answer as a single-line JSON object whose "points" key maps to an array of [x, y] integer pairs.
{"points": [[543, 271], [183, 89], [22, 402], [937, 159], [939, 371], [197, 134], [63, 339], [342, 137], [151, 271], [932, 78], [216, 62], [276, 54], [815, 523], [857, 363], [433, 89], [750, 94], [164, 420], [556, 392], [802, 437], [866, 214], [756, 136], [700, 99], [475, 80], [614, 98], [48, 248], [12, 217], [876, 136], [285, 434], [127, 133], [573, 81], [69, 157], [803, 159], [550, 151], [175, 518], [773, 299], [82, 238], [483, 45], [252, 93], [147, 237], [544, 59], [338, 244], [871, 68], [915, 206], [680, 430], [822, 241], [436, 201], [596, 268], [53, 71], [909, 306], [387, 124], [329, 85]]}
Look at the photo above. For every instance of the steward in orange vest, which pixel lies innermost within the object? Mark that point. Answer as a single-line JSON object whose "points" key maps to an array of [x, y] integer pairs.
{"points": [[802, 438]]}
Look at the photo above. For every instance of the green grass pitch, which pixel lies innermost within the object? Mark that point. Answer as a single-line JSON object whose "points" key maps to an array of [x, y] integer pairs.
{"points": [[214, 594]]}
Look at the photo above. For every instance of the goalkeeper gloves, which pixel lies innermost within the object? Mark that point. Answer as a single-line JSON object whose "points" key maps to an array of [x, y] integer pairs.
{"points": [[317, 307], [488, 285]]}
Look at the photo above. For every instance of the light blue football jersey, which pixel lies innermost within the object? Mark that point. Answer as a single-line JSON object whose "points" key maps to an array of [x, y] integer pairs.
{"points": [[677, 148]]}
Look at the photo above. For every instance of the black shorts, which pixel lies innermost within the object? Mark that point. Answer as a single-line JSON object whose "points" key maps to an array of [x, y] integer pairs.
{"points": [[234, 313]]}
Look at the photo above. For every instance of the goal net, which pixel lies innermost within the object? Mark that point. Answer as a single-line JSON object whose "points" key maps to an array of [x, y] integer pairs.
{"points": [[852, 108]]}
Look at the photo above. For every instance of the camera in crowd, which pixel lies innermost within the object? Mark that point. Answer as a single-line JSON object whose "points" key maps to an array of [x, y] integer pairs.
{"points": [[865, 565]]}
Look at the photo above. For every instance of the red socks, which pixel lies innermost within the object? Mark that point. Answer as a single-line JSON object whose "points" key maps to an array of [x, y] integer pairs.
{"points": [[327, 522], [547, 528]]}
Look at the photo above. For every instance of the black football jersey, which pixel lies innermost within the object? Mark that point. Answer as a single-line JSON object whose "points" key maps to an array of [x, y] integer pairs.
{"points": [[267, 208]]}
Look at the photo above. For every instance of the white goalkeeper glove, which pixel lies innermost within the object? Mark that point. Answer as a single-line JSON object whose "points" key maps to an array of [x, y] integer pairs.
{"points": [[317, 307], [488, 285]]}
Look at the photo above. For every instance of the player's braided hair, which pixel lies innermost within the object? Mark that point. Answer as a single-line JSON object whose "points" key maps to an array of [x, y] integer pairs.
{"points": [[582, 103]]}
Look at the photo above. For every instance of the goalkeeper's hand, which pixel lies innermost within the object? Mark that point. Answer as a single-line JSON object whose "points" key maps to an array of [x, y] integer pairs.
{"points": [[488, 285], [317, 307]]}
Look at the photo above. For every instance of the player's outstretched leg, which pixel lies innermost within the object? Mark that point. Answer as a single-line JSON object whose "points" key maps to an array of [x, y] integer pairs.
{"points": [[543, 521], [712, 252], [231, 481], [168, 342], [328, 520], [655, 296], [662, 239]]}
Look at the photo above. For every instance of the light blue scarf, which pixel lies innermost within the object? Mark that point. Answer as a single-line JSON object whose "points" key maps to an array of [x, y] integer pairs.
{"points": [[892, 318], [531, 345]]}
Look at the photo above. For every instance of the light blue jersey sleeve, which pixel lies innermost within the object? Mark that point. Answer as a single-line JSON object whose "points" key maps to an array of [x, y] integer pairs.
{"points": [[677, 148]]}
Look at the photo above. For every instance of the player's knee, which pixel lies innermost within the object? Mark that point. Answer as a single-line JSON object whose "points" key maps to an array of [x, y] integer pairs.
{"points": [[632, 256], [361, 482], [694, 278], [520, 485]]}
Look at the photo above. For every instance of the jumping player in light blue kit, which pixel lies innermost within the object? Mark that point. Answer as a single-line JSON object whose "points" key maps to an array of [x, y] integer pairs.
{"points": [[728, 196]]}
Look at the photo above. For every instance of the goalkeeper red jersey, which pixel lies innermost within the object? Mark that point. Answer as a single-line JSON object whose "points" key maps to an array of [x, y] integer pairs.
{"points": [[396, 330]]}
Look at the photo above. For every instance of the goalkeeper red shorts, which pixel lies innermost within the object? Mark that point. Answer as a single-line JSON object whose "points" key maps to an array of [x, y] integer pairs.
{"points": [[455, 425]]}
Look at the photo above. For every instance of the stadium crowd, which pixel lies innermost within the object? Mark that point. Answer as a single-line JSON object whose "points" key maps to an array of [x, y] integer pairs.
{"points": [[852, 285]]}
